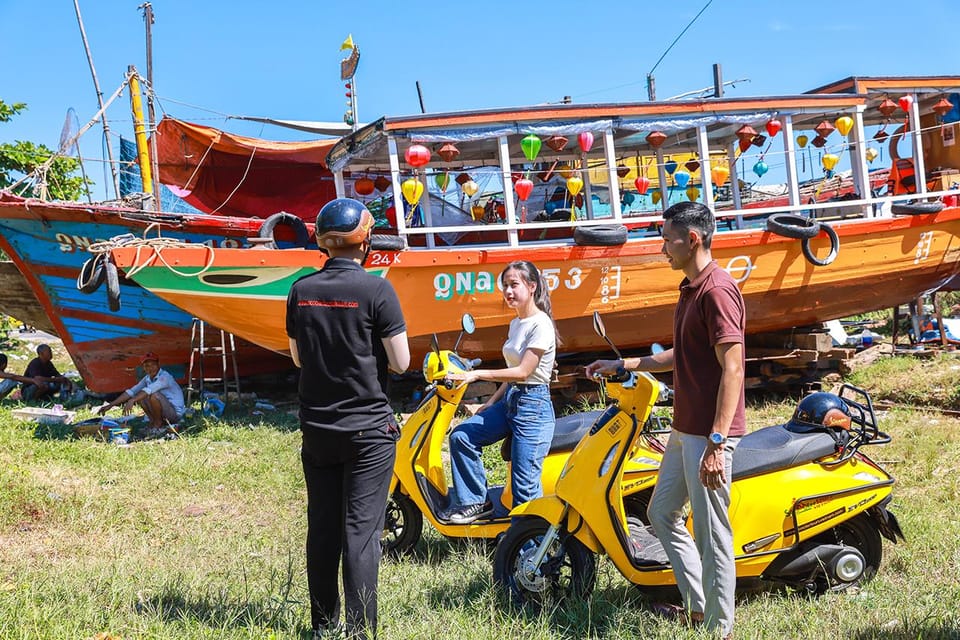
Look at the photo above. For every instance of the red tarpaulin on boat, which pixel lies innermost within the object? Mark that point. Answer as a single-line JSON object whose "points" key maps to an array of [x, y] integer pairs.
{"points": [[232, 175]]}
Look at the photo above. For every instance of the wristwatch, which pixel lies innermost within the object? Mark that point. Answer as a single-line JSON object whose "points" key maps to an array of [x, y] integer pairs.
{"points": [[718, 438]]}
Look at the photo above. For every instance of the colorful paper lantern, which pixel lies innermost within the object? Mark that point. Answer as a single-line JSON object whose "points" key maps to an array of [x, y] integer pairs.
{"points": [[448, 152], [720, 174], [565, 171], [417, 155], [656, 138], [942, 107], [643, 184], [574, 185], [578, 201], [670, 166], [363, 186], [382, 183], [819, 142], [693, 194], [871, 154], [905, 103], [463, 178], [802, 140], [888, 107], [628, 198], [844, 124], [442, 180], [745, 135], [477, 211], [881, 136], [760, 168], [773, 127], [758, 140], [830, 161], [523, 187], [681, 178], [744, 143], [585, 140], [412, 190], [531, 147], [623, 171], [824, 129], [470, 188], [656, 196], [557, 143], [692, 165], [391, 215]]}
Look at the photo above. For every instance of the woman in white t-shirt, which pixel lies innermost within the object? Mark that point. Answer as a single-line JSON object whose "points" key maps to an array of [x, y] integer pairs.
{"points": [[521, 406]]}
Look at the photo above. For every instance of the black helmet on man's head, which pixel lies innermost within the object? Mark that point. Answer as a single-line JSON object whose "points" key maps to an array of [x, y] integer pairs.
{"points": [[822, 409], [343, 222]]}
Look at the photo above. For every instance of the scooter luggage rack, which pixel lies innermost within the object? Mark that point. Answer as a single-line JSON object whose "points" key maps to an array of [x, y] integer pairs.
{"points": [[864, 416]]}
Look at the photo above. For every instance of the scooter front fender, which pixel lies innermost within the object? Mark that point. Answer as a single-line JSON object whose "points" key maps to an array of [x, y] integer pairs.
{"points": [[552, 509]]}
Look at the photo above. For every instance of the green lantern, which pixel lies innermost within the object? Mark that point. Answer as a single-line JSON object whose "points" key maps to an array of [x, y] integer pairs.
{"points": [[531, 147]]}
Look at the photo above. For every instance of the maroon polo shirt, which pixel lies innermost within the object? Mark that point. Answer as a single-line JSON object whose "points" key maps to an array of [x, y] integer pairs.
{"points": [[710, 312]]}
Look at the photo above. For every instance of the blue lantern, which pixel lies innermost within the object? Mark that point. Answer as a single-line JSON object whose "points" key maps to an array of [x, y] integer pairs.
{"points": [[628, 198], [670, 166], [681, 178], [760, 168]]}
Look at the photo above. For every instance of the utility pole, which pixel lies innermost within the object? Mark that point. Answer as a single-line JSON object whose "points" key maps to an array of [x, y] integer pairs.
{"points": [[717, 80], [103, 115], [651, 88]]}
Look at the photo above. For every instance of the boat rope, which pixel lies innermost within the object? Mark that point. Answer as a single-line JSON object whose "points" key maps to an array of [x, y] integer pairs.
{"points": [[157, 245]]}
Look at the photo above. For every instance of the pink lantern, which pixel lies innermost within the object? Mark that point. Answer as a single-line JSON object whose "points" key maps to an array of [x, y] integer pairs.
{"points": [[585, 140], [417, 155], [523, 187], [905, 102]]}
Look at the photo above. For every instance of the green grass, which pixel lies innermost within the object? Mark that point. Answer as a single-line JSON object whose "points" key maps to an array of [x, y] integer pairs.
{"points": [[202, 537]]}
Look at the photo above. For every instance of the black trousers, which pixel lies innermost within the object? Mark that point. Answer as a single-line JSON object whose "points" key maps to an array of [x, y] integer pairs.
{"points": [[347, 476]]}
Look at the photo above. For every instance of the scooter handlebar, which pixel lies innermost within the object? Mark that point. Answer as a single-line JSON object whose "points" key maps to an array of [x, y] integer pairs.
{"points": [[474, 363]]}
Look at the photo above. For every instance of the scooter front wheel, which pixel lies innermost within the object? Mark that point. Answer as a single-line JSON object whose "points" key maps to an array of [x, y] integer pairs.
{"points": [[568, 570], [402, 525]]}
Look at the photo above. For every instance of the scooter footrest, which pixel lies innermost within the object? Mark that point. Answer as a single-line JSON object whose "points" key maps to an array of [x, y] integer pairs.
{"points": [[645, 549]]}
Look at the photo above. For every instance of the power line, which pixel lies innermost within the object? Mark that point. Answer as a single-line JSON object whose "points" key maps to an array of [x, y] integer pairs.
{"points": [[677, 39]]}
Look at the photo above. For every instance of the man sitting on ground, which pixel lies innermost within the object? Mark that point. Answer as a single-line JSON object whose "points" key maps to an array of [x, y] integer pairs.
{"points": [[8, 381], [157, 393], [44, 379]]}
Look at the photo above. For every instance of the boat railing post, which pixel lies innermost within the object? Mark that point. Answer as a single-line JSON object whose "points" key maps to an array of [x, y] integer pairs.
{"points": [[735, 181], [397, 191], [339, 185], [918, 164], [587, 187], [428, 214], [858, 160], [612, 175], [703, 149], [662, 177], [790, 153], [508, 202]]}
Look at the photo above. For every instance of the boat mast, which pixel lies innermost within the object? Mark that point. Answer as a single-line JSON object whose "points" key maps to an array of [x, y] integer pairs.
{"points": [[151, 115], [140, 131], [96, 86]]}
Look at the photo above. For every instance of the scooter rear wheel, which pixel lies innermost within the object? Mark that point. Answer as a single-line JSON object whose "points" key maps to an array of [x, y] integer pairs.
{"points": [[861, 533], [402, 525], [568, 571]]}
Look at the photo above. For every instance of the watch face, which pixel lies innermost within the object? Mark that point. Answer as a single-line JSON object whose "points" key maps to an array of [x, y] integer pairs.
{"points": [[717, 438]]}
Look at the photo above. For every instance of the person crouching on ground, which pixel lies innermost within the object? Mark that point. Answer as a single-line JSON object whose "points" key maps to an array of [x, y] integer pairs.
{"points": [[8, 381], [44, 379], [157, 393]]}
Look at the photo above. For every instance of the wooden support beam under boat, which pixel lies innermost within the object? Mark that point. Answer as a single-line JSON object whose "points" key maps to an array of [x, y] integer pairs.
{"points": [[508, 203]]}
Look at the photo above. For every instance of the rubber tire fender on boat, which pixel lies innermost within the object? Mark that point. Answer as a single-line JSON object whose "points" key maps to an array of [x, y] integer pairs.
{"points": [[834, 247], [387, 242], [113, 285], [299, 228], [600, 236], [790, 225], [91, 274], [916, 208]]}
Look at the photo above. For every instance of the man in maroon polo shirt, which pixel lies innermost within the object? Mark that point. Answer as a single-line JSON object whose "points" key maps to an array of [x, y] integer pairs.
{"points": [[707, 359]]}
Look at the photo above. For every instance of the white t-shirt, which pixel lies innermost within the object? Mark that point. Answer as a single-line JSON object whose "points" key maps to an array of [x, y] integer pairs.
{"points": [[535, 332], [166, 385]]}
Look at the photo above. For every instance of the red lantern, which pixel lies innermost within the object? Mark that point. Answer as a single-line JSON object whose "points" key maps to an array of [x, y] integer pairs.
{"points": [[824, 129], [942, 107], [656, 138], [578, 201], [382, 183], [585, 140], [524, 188], [391, 215], [516, 176], [364, 186], [888, 107], [642, 183], [746, 135], [691, 165], [819, 142], [744, 144], [905, 103], [557, 143], [448, 152], [417, 155], [773, 128]]}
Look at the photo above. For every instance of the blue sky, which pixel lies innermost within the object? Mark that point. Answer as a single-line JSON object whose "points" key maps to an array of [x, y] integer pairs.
{"points": [[281, 58]]}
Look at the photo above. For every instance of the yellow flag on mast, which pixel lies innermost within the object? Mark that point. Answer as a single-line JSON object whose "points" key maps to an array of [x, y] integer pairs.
{"points": [[347, 44]]}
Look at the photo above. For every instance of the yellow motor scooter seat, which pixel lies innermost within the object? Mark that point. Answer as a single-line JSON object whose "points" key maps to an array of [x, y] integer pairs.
{"points": [[567, 433], [779, 447]]}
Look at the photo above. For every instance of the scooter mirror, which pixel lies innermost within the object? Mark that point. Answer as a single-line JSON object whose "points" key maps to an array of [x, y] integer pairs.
{"points": [[598, 327], [656, 348], [468, 323], [435, 344]]}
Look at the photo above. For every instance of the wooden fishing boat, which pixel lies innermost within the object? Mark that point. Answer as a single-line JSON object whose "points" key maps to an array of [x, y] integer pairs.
{"points": [[871, 250]]}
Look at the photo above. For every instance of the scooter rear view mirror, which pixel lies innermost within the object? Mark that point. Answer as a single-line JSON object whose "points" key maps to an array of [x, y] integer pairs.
{"points": [[656, 348], [435, 344], [467, 325], [602, 332]]}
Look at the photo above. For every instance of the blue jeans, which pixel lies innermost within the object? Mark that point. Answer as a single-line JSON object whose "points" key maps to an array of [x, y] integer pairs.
{"points": [[524, 411]]}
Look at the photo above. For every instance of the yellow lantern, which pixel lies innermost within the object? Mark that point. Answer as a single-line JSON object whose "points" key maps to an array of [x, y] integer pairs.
{"points": [[871, 154], [477, 211], [412, 190], [565, 171], [830, 161], [802, 140], [470, 188], [693, 194], [844, 124], [719, 174], [656, 197], [574, 185]]}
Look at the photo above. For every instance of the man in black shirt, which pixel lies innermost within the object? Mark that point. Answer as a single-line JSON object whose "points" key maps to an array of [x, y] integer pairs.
{"points": [[345, 328], [45, 379]]}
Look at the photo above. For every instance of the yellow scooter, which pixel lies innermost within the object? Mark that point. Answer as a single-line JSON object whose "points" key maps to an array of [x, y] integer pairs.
{"points": [[419, 487], [808, 508]]}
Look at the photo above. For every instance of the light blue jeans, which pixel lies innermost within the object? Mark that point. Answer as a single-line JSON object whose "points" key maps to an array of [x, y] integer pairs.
{"points": [[524, 411]]}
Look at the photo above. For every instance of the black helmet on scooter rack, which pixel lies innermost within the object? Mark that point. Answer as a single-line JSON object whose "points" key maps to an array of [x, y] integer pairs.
{"points": [[821, 409], [343, 222]]}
